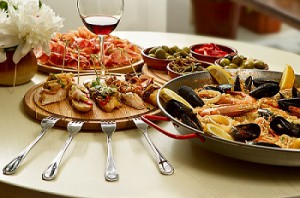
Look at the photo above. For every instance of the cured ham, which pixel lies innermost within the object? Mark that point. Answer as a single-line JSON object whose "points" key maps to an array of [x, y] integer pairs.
{"points": [[68, 48]]}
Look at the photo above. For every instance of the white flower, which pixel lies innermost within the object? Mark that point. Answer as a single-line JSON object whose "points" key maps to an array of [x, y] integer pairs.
{"points": [[26, 25]]}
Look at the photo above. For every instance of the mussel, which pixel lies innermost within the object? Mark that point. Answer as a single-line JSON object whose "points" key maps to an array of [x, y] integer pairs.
{"points": [[265, 113], [292, 105], [295, 93], [190, 96], [260, 81], [267, 144], [265, 90], [237, 84], [223, 88], [183, 113], [282, 126], [245, 132], [248, 83]]}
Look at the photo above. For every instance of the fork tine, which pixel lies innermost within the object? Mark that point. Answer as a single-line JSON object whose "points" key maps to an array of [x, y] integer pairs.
{"points": [[13, 165], [73, 128], [111, 173], [164, 165]]}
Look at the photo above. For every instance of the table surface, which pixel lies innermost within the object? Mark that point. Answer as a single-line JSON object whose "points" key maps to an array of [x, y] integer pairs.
{"points": [[286, 10], [198, 173]]}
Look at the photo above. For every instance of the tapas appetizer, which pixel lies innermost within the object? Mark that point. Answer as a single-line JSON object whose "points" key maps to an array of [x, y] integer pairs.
{"points": [[67, 49], [55, 88]]}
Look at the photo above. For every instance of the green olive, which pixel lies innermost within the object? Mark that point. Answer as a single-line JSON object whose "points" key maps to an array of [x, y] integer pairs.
{"points": [[186, 49], [247, 65], [166, 48], [259, 64], [237, 60], [160, 53], [152, 50], [152, 55], [173, 49], [233, 66], [224, 62]]}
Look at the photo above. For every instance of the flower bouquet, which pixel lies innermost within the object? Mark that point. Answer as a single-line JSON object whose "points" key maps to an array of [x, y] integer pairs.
{"points": [[25, 25]]}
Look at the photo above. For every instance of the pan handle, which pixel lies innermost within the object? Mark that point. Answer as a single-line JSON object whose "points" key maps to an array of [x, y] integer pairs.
{"points": [[147, 118]]}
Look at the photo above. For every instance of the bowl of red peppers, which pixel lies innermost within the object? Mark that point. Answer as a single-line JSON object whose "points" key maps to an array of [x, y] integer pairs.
{"points": [[210, 52]]}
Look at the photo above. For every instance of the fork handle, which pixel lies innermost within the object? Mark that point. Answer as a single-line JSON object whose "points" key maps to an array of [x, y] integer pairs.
{"points": [[50, 172], [164, 165], [111, 173], [13, 165]]}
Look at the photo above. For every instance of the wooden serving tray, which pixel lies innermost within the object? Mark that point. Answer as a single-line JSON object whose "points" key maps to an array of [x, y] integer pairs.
{"points": [[121, 69], [159, 76], [92, 119]]}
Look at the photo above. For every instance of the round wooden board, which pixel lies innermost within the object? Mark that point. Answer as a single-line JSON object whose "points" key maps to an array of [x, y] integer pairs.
{"points": [[159, 76], [92, 119], [122, 69]]}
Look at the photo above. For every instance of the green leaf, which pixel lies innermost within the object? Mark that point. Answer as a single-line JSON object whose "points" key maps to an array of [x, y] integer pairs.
{"points": [[40, 4], [3, 5]]}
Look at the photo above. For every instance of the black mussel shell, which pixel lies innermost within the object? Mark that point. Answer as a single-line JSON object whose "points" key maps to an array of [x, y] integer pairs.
{"points": [[188, 121], [237, 84], [181, 111], [223, 88], [248, 83], [265, 90], [190, 96], [284, 104], [210, 87], [281, 126], [295, 93], [245, 132], [267, 144], [260, 81], [265, 113]]}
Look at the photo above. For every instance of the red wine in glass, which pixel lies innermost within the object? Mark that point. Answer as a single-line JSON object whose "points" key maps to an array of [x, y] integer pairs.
{"points": [[101, 25]]}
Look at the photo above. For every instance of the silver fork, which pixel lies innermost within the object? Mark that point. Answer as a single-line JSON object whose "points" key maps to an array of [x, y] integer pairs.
{"points": [[111, 173], [13, 165], [164, 165], [73, 128]]}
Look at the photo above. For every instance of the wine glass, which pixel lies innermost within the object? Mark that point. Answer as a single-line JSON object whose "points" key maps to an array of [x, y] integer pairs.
{"points": [[101, 17]]}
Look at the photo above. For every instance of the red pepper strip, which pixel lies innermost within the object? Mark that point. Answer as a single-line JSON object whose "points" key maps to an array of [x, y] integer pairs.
{"points": [[210, 49]]}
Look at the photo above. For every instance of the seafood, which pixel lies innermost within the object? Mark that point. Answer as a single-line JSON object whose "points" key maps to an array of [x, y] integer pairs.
{"points": [[260, 81], [190, 96], [245, 132], [292, 105], [255, 111], [184, 113], [267, 144], [265, 90], [282, 126]]}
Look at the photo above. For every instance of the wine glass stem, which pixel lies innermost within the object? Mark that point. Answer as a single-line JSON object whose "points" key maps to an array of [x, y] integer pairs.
{"points": [[101, 53]]}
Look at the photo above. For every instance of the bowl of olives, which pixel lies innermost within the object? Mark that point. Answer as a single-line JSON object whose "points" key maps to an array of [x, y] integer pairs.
{"points": [[241, 62], [159, 57], [210, 52], [182, 66]]}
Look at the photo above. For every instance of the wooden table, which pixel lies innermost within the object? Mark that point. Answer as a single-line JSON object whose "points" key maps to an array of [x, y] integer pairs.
{"points": [[286, 10], [198, 173]]}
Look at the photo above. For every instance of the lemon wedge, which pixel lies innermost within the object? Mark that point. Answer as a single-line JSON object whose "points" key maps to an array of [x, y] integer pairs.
{"points": [[287, 78], [168, 94], [220, 74], [218, 131]]}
